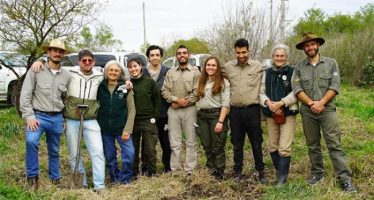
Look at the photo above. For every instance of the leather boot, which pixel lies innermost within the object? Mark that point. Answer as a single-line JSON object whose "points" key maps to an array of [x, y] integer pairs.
{"points": [[33, 182], [284, 166]]}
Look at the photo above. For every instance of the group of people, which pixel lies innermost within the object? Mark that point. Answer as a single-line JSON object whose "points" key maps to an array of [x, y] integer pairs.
{"points": [[146, 104]]}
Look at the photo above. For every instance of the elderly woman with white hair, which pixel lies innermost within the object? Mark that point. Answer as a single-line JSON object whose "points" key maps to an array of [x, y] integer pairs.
{"points": [[116, 119], [279, 105]]}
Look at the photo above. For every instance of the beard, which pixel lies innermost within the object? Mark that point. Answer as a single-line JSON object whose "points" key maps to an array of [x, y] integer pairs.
{"points": [[56, 61], [183, 62], [312, 54]]}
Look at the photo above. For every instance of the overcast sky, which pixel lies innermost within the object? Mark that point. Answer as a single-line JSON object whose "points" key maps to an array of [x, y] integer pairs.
{"points": [[168, 20]]}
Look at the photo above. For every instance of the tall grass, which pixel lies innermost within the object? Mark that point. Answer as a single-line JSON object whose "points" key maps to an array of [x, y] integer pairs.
{"points": [[355, 112]]}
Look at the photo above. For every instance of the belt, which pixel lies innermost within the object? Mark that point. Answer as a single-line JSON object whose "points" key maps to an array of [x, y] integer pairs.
{"points": [[48, 113], [211, 110], [245, 107]]}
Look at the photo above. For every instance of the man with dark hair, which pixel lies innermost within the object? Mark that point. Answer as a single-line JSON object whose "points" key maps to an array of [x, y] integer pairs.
{"points": [[82, 90], [158, 72], [245, 78], [41, 104], [180, 89], [316, 82]]}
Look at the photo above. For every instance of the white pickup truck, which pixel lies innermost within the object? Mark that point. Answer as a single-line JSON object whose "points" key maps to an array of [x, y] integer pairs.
{"points": [[8, 80]]}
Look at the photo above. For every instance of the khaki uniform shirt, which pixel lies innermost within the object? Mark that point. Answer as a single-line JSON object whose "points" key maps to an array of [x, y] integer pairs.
{"points": [[181, 83], [316, 80], [43, 91], [245, 82]]}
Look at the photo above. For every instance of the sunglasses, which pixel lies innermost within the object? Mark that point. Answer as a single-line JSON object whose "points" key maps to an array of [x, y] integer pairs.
{"points": [[87, 61]]}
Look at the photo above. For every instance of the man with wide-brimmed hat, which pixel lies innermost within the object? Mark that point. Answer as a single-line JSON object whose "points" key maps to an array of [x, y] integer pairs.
{"points": [[316, 82], [41, 104]]}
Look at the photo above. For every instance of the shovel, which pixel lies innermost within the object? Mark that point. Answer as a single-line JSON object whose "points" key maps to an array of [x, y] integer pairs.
{"points": [[76, 177]]}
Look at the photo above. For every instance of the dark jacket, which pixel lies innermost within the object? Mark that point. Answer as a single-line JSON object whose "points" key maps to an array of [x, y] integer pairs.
{"points": [[159, 82], [146, 97], [112, 115], [278, 86]]}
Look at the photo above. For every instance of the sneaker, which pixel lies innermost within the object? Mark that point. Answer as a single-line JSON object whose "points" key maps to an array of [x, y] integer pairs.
{"points": [[262, 178], [349, 187], [99, 190], [313, 180]]}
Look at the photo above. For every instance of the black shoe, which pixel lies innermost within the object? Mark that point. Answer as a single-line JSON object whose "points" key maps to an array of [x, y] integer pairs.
{"points": [[33, 182], [218, 175], [262, 178], [313, 180], [349, 187], [238, 176], [56, 181], [166, 170]]}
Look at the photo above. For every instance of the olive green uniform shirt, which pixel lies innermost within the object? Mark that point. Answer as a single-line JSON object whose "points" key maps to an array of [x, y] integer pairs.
{"points": [[316, 80]]}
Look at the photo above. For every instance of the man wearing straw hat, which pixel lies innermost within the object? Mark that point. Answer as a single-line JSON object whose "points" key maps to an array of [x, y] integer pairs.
{"points": [[316, 82], [41, 104]]}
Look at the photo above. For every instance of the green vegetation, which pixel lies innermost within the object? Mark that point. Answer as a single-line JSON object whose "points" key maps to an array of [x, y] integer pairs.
{"points": [[356, 114], [347, 40]]}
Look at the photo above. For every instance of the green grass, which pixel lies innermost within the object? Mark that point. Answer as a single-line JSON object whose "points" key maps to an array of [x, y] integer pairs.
{"points": [[355, 110]]}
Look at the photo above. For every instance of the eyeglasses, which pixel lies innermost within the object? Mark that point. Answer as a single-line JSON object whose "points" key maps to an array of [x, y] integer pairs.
{"points": [[87, 61]]}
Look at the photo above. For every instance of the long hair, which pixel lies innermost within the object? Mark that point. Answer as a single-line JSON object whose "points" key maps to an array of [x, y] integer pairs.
{"points": [[218, 79]]}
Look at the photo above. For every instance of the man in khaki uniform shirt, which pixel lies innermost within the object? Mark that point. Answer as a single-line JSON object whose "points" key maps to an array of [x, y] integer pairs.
{"points": [[180, 89], [245, 78]]}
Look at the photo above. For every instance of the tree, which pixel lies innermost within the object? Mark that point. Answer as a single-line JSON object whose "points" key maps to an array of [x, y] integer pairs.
{"points": [[194, 45], [101, 40], [313, 21], [241, 21], [348, 40], [32, 23]]}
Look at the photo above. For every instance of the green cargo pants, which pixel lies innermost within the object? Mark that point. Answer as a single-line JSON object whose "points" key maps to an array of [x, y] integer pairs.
{"points": [[213, 143], [328, 123]]}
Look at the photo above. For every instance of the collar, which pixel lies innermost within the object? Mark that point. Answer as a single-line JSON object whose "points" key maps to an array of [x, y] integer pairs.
{"points": [[189, 67], [50, 69], [322, 59], [249, 62]]}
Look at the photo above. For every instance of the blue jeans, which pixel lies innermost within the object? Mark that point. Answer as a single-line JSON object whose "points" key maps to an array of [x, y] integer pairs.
{"points": [[127, 157], [53, 127], [94, 144]]}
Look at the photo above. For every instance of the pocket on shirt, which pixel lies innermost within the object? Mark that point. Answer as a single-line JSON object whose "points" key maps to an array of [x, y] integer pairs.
{"points": [[251, 79], [324, 80], [306, 82], [45, 89]]}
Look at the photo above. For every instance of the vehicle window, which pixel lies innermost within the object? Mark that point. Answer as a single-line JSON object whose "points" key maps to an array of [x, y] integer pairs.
{"points": [[13, 60], [192, 61], [73, 59], [101, 60], [66, 62], [169, 63], [203, 59]]}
